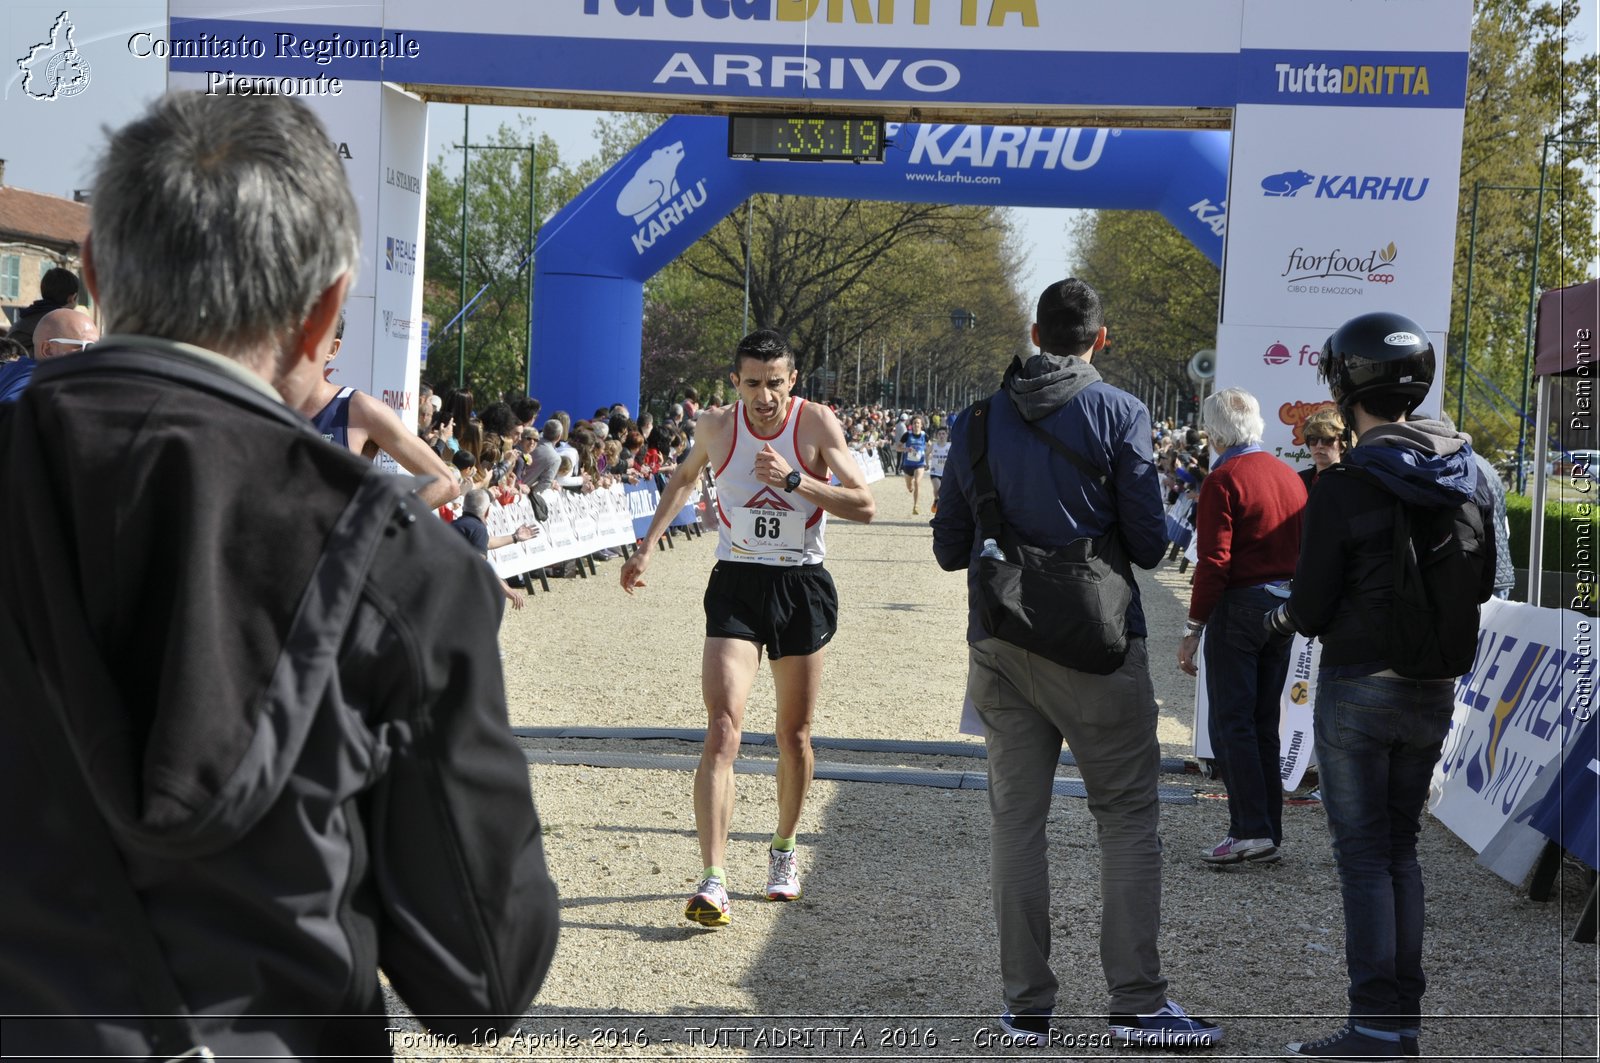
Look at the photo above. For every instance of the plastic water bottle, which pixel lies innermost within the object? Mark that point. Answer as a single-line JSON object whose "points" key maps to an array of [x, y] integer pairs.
{"points": [[992, 549]]}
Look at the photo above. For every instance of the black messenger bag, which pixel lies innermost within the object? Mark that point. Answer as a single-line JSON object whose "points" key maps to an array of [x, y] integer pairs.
{"points": [[1067, 604]]}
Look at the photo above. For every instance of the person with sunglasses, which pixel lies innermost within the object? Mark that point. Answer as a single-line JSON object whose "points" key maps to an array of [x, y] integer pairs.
{"points": [[65, 331], [1324, 434]]}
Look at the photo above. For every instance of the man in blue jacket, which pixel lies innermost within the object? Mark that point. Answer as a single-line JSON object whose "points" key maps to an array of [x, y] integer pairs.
{"points": [[1029, 703]]}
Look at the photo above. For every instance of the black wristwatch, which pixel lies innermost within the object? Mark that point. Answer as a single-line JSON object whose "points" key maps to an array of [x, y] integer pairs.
{"points": [[791, 481]]}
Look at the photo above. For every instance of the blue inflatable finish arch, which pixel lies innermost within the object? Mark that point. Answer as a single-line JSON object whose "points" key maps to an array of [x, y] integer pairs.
{"points": [[595, 255]]}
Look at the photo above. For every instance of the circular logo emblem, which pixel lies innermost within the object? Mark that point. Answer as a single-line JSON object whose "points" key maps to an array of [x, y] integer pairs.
{"points": [[67, 74], [1402, 339], [1298, 692], [1277, 354]]}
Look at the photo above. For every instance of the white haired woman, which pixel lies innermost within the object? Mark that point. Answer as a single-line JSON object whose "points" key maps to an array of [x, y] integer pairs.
{"points": [[1247, 529]]}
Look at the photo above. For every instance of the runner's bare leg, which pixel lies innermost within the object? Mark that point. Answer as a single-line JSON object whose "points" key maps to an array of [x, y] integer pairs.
{"points": [[799, 682], [727, 671]]}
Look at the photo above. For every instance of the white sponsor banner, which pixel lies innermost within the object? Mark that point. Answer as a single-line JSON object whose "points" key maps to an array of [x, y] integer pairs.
{"points": [[352, 121], [1514, 710], [396, 322], [1295, 743], [579, 525], [1279, 366], [1148, 25], [1433, 25], [870, 464], [1336, 211]]}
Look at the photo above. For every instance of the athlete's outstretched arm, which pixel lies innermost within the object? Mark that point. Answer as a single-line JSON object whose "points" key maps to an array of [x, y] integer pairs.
{"points": [[674, 497]]}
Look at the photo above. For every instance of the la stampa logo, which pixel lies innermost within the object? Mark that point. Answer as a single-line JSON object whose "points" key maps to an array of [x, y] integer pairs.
{"points": [[653, 198], [54, 69]]}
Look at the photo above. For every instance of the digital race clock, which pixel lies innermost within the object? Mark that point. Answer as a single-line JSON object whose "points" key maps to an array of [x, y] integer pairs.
{"points": [[805, 139]]}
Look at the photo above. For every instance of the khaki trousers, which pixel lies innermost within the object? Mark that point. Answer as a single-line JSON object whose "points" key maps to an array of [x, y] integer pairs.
{"points": [[1028, 705]]}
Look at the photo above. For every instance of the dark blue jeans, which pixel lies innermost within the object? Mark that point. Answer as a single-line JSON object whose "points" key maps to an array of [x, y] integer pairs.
{"points": [[1377, 742], [1245, 670]]}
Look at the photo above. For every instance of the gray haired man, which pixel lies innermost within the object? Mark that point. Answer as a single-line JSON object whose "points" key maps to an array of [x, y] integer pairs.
{"points": [[277, 673]]}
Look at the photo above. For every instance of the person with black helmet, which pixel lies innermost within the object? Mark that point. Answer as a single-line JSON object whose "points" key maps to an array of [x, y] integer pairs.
{"points": [[1378, 732]]}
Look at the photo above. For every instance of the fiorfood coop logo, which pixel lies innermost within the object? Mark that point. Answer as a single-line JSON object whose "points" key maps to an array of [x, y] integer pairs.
{"points": [[54, 69]]}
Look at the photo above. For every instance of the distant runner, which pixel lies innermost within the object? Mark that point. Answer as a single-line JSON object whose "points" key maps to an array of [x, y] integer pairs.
{"points": [[913, 449], [938, 453]]}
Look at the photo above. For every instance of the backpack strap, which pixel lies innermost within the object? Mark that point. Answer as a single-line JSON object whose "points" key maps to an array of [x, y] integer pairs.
{"points": [[1084, 465], [986, 500]]}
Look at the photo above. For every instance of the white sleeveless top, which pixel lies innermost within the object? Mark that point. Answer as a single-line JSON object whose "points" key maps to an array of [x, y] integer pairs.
{"points": [[756, 522]]}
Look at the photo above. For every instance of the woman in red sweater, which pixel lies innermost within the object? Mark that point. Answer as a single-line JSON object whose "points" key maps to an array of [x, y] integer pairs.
{"points": [[1247, 529]]}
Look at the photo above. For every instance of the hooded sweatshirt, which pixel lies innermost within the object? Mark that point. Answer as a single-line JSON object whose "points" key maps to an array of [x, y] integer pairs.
{"points": [[1044, 499], [1345, 573]]}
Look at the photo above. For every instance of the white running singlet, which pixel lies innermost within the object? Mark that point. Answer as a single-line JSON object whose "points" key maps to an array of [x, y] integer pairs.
{"points": [[757, 522]]}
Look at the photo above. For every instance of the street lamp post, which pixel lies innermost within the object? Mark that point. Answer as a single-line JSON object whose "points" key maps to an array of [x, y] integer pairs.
{"points": [[1466, 337], [533, 235]]}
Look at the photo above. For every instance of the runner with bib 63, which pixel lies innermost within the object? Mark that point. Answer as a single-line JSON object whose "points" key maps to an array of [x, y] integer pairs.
{"points": [[772, 454]]}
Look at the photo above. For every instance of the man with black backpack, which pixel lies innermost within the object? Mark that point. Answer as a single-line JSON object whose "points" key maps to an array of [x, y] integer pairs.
{"points": [[1049, 492], [1397, 554]]}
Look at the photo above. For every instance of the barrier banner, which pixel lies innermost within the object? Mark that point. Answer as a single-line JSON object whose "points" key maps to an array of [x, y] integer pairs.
{"points": [[642, 500], [1569, 811], [1530, 685], [1295, 743], [870, 465], [579, 525]]}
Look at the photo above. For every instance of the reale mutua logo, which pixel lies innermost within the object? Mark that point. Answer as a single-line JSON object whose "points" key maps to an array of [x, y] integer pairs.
{"points": [[653, 198], [1289, 183], [400, 256], [54, 69]]}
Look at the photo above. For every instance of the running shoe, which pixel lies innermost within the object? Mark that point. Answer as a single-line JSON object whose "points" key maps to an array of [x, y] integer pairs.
{"points": [[783, 875], [709, 905], [1170, 1027], [1241, 850]]}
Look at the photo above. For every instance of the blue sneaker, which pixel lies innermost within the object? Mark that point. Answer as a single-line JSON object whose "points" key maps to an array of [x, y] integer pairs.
{"points": [[1026, 1030], [1170, 1027], [1347, 1043]]}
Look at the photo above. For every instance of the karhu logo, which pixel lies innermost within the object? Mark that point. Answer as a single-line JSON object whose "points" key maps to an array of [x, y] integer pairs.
{"points": [[767, 498], [55, 69], [653, 193]]}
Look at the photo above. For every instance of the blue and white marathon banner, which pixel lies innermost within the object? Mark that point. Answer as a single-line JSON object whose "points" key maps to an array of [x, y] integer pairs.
{"points": [[643, 498], [1520, 714]]}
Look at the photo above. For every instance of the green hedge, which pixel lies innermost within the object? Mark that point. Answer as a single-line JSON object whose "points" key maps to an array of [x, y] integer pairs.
{"points": [[1564, 523]]}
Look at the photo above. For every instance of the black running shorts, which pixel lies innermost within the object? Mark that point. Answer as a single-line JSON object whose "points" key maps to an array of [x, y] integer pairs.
{"points": [[791, 610]]}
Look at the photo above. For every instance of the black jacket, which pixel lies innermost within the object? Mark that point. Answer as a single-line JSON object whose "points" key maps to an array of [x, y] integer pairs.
{"points": [[1344, 579], [281, 675], [22, 328]]}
